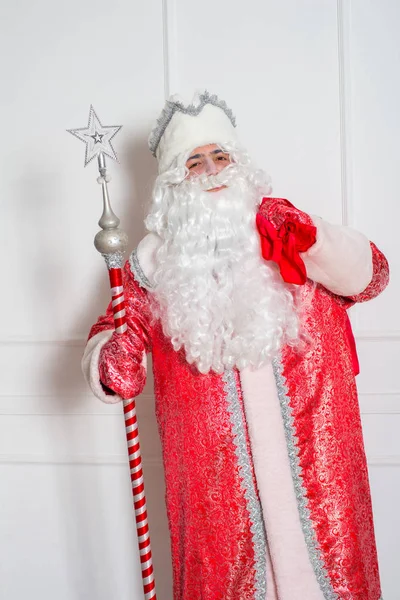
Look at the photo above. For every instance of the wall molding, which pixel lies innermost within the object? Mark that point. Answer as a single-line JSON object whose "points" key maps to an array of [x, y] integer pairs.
{"points": [[72, 342], [169, 47], [384, 461], [77, 459], [56, 404], [84, 405], [372, 336], [377, 336], [122, 460], [343, 35]]}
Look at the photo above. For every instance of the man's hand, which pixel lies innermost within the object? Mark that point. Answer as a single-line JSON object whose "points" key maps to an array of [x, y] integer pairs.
{"points": [[279, 210], [285, 231], [121, 366]]}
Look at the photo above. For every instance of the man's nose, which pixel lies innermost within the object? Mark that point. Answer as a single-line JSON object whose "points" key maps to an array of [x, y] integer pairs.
{"points": [[210, 166]]}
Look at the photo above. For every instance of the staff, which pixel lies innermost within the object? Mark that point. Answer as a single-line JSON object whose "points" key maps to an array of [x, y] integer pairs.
{"points": [[112, 242]]}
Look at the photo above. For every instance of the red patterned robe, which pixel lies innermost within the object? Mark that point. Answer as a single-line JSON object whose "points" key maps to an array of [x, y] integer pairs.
{"points": [[266, 478]]}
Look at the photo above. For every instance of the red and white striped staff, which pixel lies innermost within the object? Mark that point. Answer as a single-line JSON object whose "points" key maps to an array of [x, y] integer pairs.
{"points": [[135, 461], [112, 242]]}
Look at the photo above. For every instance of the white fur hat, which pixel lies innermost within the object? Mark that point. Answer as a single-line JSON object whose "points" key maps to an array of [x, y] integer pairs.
{"points": [[181, 128]]}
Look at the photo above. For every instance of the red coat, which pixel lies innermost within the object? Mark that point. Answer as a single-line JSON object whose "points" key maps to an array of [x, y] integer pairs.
{"points": [[267, 487]]}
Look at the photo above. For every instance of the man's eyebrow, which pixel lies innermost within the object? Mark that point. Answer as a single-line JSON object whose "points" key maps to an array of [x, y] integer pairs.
{"points": [[217, 151]]}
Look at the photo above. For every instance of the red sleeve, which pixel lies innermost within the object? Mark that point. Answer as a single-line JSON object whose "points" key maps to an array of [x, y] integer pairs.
{"points": [[279, 213], [379, 281]]}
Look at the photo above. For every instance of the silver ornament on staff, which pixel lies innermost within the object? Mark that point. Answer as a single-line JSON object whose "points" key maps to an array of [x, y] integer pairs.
{"points": [[112, 243]]}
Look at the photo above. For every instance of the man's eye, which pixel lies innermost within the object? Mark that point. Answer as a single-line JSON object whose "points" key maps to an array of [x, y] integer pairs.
{"points": [[222, 158], [194, 165]]}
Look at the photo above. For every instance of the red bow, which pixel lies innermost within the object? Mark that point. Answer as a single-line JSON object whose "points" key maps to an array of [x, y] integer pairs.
{"points": [[284, 244]]}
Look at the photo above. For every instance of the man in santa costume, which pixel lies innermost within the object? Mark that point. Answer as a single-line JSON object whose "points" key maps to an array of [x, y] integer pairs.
{"points": [[242, 300]]}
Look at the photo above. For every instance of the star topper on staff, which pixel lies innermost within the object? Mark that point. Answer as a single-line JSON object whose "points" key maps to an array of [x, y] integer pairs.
{"points": [[97, 137]]}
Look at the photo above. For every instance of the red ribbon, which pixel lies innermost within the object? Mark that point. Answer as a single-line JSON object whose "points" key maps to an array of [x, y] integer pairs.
{"points": [[284, 244]]}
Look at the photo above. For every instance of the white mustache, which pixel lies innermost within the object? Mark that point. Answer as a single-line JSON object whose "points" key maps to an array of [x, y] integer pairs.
{"points": [[224, 178]]}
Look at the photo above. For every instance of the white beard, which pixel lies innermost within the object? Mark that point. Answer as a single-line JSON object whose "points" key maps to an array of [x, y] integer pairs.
{"points": [[214, 293]]}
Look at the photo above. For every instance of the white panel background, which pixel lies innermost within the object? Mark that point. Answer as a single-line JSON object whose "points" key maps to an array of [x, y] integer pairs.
{"points": [[315, 86]]}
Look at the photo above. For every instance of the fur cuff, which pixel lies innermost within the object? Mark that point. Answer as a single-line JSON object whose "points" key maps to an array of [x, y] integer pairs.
{"points": [[340, 260], [90, 366]]}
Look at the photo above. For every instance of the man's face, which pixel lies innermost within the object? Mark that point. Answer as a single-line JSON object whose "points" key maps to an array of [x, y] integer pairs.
{"points": [[207, 160]]}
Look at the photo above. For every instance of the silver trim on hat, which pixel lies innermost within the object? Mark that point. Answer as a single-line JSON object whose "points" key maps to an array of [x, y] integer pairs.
{"points": [[171, 107]]}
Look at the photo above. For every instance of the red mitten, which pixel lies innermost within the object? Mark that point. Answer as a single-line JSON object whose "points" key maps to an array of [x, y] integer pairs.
{"points": [[285, 231], [278, 210], [120, 365]]}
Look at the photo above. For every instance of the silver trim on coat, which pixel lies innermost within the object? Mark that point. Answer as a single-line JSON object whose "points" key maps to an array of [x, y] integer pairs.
{"points": [[253, 504]]}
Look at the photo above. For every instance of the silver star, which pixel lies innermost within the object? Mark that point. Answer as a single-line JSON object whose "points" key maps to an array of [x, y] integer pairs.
{"points": [[97, 137]]}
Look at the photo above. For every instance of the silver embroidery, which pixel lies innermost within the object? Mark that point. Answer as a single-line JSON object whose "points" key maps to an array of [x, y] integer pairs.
{"points": [[114, 260], [172, 107], [313, 548], [253, 504], [137, 272]]}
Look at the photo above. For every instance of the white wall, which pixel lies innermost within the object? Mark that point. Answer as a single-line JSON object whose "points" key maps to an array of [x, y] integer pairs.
{"points": [[315, 87]]}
